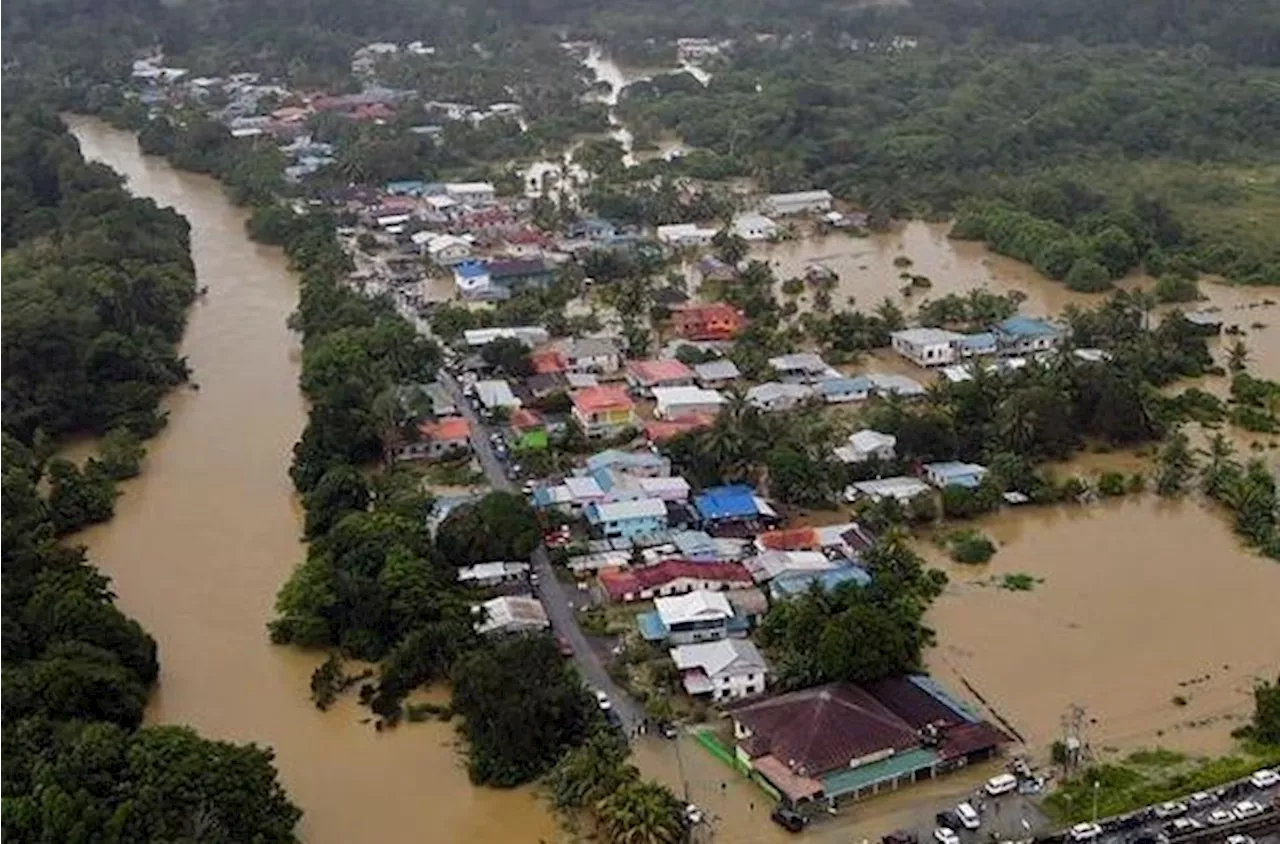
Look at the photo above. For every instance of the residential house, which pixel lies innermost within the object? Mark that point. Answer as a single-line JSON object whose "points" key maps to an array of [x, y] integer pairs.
{"points": [[749, 608], [802, 368], [511, 614], [841, 741], [471, 193], [774, 396], [716, 373], [767, 565], [676, 402], [926, 346], [406, 187], [867, 445], [697, 546], [716, 321], [597, 355], [445, 250], [488, 575], [903, 489], [520, 273], [643, 517], [889, 384], [843, 390], [800, 202], [437, 440], [803, 538], [604, 410], [672, 577], [495, 395], [441, 400], [733, 510], [754, 227], [661, 430], [530, 335], [1023, 335], [544, 384], [697, 616], [645, 375], [644, 464], [1205, 322], [723, 670], [592, 228], [977, 345], [711, 268], [954, 473], [528, 430], [799, 583], [472, 280], [685, 234]]}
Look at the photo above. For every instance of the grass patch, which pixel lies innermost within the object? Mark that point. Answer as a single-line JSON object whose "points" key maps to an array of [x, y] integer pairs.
{"points": [[1020, 582], [1156, 776], [452, 473]]}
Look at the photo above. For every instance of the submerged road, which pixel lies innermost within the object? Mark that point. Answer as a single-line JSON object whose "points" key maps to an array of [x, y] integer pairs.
{"points": [[553, 594]]}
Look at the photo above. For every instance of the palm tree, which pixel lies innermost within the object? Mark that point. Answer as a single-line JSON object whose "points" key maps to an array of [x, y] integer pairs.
{"points": [[1221, 472], [1238, 357], [642, 812]]}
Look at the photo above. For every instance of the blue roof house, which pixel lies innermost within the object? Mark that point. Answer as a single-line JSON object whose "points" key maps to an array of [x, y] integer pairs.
{"points": [[841, 390], [628, 519], [641, 463], [976, 345], [722, 507], [406, 187], [1021, 335], [797, 583], [954, 473]]}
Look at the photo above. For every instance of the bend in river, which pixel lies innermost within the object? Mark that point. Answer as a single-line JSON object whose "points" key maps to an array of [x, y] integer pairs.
{"points": [[203, 539]]}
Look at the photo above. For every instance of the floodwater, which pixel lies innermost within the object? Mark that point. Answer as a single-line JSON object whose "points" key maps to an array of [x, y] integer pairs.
{"points": [[204, 538]]}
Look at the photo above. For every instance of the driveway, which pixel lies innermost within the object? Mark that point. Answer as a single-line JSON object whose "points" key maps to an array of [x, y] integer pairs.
{"points": [[556, 598]]}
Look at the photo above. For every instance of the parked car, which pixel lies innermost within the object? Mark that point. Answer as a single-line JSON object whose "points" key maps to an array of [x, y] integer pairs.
{"points": [[1220, 817], [603, 701], [1266, 778], [1240, 838], [1246, 809], [1182, 826], [900, 836], [1085, 831], [1001, 784], [1171, 809], [968, 816], [946, 835], [668, 730], [1200, 799], [565, 646], [789, 819]]}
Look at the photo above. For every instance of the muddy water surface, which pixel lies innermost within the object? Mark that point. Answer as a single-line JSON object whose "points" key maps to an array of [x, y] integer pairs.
{"points": [[204, 538]]}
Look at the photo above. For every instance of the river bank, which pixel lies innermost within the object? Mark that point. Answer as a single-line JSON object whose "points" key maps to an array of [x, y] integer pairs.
{"points": [[202, 541]]}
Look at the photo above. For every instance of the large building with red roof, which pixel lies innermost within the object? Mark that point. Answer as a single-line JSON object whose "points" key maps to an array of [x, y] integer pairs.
{"points": [[844, 741], [673, 577], [707, 322]]}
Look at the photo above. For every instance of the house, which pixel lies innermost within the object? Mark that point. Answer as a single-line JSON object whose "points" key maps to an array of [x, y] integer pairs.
{"points": [[685, 234], [697, 616], [716, 321], [754, 227], [867, 445], [843, 390], [528, 430], [495, 394], [1204, 322], [641, 517], [977, 345], [841, 741], [894, 385], [1023, 335], [672, 577], [802, 368], [604, 410], [733, 509], [436, 440], [442, 403], [487, 575], [530, 335], [644, 464], [511, 614], [592, 228], [471, 193], [804, 538], [716, 373], [767, 565], [696, 545], [712, 268], [661, 430], [798, 583], [405, 187], [774, 396], [724, 670], [445, 250], [926, 346], [520, 273], [473, 281], [598, 355], [675, 402], [903, 489], [749, 608], [954, 473], [644, 375], [800, 202]]}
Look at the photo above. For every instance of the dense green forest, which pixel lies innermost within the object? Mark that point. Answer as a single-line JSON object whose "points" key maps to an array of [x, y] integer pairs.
{"points": [[96, 289]]}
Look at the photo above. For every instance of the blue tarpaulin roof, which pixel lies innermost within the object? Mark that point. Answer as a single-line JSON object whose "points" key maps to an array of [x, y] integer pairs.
{"points": [[736, 501]]}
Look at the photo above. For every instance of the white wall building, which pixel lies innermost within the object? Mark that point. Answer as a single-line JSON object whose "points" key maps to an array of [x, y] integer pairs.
{"points": [[673, 402], [685, 234], [724, 670], [471, 193], [511, 614], [799, 202], [866, 444], [755, 227], [927, 346]]}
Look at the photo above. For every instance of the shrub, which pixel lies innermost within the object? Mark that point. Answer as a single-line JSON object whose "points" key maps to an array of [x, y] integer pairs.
{"points": [[971, 547]]}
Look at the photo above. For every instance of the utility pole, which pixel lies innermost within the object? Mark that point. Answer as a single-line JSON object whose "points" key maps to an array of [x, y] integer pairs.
{"points": [[1096, 785]]}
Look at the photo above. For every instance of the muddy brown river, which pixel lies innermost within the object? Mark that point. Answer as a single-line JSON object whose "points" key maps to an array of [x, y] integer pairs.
{"points": [[1139, 601], [204, 538]]}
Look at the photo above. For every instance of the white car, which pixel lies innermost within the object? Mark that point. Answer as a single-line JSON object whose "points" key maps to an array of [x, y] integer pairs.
{"points": [[1265, 778], [968, 816], [1246, 809], [1171, 809], [945, 835], [1183, 825], [1001, 784], [1239, 838], [1200, 799], [603, 700], [692, 814], [1085, 831], [1220, 817]]}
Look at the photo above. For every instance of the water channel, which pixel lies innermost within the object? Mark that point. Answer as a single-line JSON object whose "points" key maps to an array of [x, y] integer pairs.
{"points": [[1141, 600]]}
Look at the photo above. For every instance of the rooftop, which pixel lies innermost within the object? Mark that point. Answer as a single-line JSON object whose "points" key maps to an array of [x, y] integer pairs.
{"points": [[716, 370], [737, 656], [614, 511], [927, 336], [453, 428], [616, 458], [635, 580], [510, 610], [604, 397], [699, 605], [735, 501], [1025, 326], [658, 371]]}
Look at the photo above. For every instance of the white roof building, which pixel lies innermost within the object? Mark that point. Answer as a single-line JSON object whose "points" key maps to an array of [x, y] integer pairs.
{"points": [[685, 234], [511, 614], [676, 401], [798, 202], [865, 444], [530, 335], [496, 393], [724, 669], [770, 564], [640, 508], [754, 227], [482, 573], [697, 606], [902, 488], [897, 385]]}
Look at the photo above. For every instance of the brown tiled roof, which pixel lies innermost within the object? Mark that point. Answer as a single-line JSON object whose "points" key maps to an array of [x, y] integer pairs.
{"points": [[821, 729], [966, 738], [911, 703]]}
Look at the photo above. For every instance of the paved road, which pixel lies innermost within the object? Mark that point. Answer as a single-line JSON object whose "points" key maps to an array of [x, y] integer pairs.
{"points": [[553, 594]]}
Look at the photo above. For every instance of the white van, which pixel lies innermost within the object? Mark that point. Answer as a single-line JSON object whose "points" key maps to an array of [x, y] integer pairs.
{"points": [[968, 816], [1001, 784]]}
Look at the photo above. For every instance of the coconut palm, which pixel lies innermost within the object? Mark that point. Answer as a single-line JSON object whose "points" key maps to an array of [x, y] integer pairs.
{"points": [[1238, 357], [642, 812], [1221, 472]]}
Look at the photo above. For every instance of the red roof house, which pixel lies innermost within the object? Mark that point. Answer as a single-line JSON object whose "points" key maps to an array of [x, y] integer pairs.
{"points": [[673, 577], [644, 375], [662, 430], [711, 321]]}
